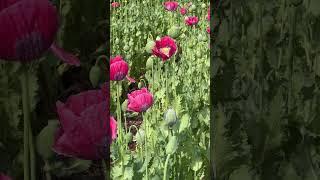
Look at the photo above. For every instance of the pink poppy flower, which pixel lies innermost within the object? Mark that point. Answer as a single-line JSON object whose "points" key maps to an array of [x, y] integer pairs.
{"points": [[4, 177], [164, 48], [28, 29], [115, 4], [140, 100], [85, 125], [113, 126], [208, 30], [118, 69], [191, 20], [171, 5], [208, 16], [183, 11]]}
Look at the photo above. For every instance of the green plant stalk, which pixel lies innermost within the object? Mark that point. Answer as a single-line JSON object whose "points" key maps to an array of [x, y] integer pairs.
{"points": [[166, 167], [119, 122], [46, 167], [32, 154], [26, 120], [145, 141]]}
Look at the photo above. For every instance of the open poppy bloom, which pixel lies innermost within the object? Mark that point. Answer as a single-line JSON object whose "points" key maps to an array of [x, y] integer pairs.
{"points": [[4, 177], [115, 4], [191, 20], [86, 131], [140, 100], [118, 69], [208, 16], [165, 48], [183, 11], [28, 29], [171, 5]]}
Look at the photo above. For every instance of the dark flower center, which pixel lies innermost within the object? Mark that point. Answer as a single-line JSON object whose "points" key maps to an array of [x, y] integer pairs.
{"points": [[30, 46], [119, 76]]}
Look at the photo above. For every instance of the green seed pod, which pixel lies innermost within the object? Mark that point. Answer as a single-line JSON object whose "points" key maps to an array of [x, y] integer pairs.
{"points": [[95, 75], [172, 145], [117, 41], [203, 5], [45, 140], [128, 137], [149, 46], [170, 117], [128, 56], [140, 137], [140, 84], [124, 105], [192, 7], [174, 31], [126, 48], [149, 63], [62, 68], [198, 54]]}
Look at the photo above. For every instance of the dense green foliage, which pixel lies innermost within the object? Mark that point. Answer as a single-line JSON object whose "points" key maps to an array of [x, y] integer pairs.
{"points": [[266, 90]]}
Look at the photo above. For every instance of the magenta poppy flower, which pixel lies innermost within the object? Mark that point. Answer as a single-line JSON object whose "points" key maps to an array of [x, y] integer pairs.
{"points": [[28, 29], [183, 11], [171, 5], [191, 20], [118, 69], [115, 4], [208, 16], [4, 177], [113, 126], [85, 125], [140, 100], [208, 30], [164, 48]]}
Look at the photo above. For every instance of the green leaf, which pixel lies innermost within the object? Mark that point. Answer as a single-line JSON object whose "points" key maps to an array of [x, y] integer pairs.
{"points": [[172, 145], [45, 140], [185, 123]]}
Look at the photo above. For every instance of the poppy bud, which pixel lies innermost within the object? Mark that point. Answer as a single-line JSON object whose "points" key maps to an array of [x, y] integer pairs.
{"points": [[45, 140], [149, 63], [170, 117], [140, 85], [94, 75], [124, 105], [126, 48], [140, 136], [149, 46], [174, 32], [128, 137]]}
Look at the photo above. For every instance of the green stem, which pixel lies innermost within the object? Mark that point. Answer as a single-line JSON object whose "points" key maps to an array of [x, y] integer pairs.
{"points": [[47, 167], [26, 121], [145, 142], [32, 154], [166, 167]]}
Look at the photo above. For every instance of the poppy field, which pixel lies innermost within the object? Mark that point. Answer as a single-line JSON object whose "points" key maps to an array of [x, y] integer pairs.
{"points": [[159, 90]]}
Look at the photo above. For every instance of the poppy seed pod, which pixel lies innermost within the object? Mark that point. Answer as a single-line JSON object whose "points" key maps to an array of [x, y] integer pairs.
{"points": [[170, 117]]}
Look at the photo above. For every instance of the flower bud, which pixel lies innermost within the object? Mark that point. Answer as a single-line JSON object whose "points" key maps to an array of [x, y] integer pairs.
{"points": [[124, 105], [149, 46], [170, 117], [94, 75], [149, 63]]}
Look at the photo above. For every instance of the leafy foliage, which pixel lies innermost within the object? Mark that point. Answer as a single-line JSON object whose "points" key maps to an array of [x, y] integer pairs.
{"points": [[265, 85]]}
